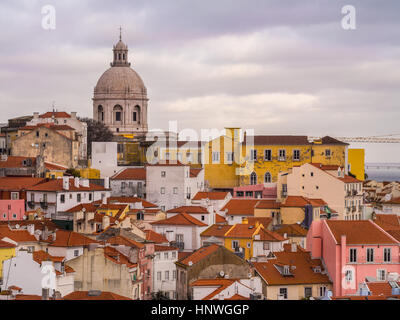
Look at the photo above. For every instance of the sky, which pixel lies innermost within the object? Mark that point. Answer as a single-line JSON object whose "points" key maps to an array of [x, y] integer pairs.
{"points": [[278, 66]]}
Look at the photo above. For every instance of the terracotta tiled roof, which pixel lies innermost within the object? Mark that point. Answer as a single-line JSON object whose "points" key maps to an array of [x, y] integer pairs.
{"points": [[267, 235], [199, 254], [89, 207], [295, 201], [241, 231], [169, 163], [27, 297], [388, 221], [292, 230], [16, 162], [395, 234], [128, 200], [194, 172], [359, 232], [180, 219], [117, 257], [57, 185], [4, 244], [393, 200], [54, 167], [130, 174], [51, 126], [303, 272], [348, 179], [40, 256], [380, 288], [240, 207], [38, 224], [267, 204], [219, 284], [15, 288], [215, 195], [329, 140], [120, 240], [16, 235], [184, 254], [155, 237], [280, 140], [19, 183], [70, 239], [237, 297], [50, 114], [265, 221], [216, 230], [164, 248], [219, 218], [84, 295], [189, 209]]}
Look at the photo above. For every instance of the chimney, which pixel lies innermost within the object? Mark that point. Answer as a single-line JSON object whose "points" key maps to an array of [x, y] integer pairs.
{"points": [[76, 182], [45, 293], [294, 247], [103, 198], [31, 228], [66, 183], [73, 115], [36, 115], [107, 183], [105, 222], [84, 183]]}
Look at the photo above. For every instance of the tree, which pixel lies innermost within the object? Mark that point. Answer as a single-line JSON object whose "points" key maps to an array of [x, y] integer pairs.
{"points": [[96, 132]]}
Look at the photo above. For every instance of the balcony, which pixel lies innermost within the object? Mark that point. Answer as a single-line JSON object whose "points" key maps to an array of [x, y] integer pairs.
{"points": [[31, 204], [44, 205], [179, 245]]}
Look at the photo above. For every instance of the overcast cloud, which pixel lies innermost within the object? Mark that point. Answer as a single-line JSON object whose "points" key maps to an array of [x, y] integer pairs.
{"points": [[279, 67]]}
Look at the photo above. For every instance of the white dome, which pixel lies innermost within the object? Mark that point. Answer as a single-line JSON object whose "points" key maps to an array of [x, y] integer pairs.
{"points": [[120, 79]]}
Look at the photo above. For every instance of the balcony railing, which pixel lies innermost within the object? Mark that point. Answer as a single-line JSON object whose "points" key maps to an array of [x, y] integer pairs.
{"points": [[31, 204], [44, 204]]}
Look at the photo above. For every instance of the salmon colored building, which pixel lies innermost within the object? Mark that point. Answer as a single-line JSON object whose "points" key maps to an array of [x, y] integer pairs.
{"points": [[354, 252], [12, 210]]}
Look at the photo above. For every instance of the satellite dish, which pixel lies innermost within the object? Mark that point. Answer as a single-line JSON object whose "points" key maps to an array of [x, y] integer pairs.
{"points": [[221, 273], [17, 226], [116, 222], [38, 232], [25, 217]]}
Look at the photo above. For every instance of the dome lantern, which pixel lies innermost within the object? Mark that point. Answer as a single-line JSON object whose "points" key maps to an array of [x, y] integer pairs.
{"points": [[120, 53]]}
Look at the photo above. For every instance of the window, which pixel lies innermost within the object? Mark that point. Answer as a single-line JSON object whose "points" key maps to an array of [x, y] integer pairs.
{"points": [[229, 157], [166, 275], [249, 194], [162, 190], [202, 218], [249, 245], [76, 253], [14, 216], [253, 155], [14, 195], [37, 134], [370, 255], [322, 291], [166, 255], [189, 157], [296, 155], [163, 208], [163, 174], [253, 178], [387, 255], [327, 152], [283, 293], [118, 116], [267, 155], [239, 193], [78, 197], [90, 197], [159, 275], [167, 156], [307, 292], [282, 155], [134, 116], [267, 177], [215, 156], [266, 245], [381, 274], [174, 255], [349, 275], [62, 198], [174, 275], [123, 185], [157, 256], [353, 255], [235, 245], [175, 190]]}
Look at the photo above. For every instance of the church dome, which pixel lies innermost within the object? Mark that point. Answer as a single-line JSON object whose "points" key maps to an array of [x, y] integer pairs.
{"points": [[120, 80]]}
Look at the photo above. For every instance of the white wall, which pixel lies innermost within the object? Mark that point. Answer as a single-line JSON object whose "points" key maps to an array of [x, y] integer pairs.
{"points": [[161, 265]]}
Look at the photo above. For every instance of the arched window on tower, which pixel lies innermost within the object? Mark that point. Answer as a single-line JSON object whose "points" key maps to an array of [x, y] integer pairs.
{"points": [[136, 114], [117, 113], [100, 112], [267, 177], [119, 56], [253, 178]]}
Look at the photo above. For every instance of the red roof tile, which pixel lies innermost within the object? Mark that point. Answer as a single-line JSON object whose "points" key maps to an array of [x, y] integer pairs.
{"points": [[189, 209], [359, 232], [215, 195], [130, 174], [50, 114], [199, 254], [216, 230], [240, 207], [128, 200], [19, 183], [57, 185], [120, 240], [84, 295], [164, 248], [66, 238], [155, 237], [20, 235], [180, 219]]}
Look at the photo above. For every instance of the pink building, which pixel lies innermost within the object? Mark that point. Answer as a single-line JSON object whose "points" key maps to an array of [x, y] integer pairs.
{"points": [[353, 252], [256, 191], [12, 210]]}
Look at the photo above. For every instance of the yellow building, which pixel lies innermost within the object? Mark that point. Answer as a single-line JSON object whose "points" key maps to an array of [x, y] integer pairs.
{"points": [[259, 159], [117, 211], [7, 251], [240, 237], [356, 164], [89, 173]]}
